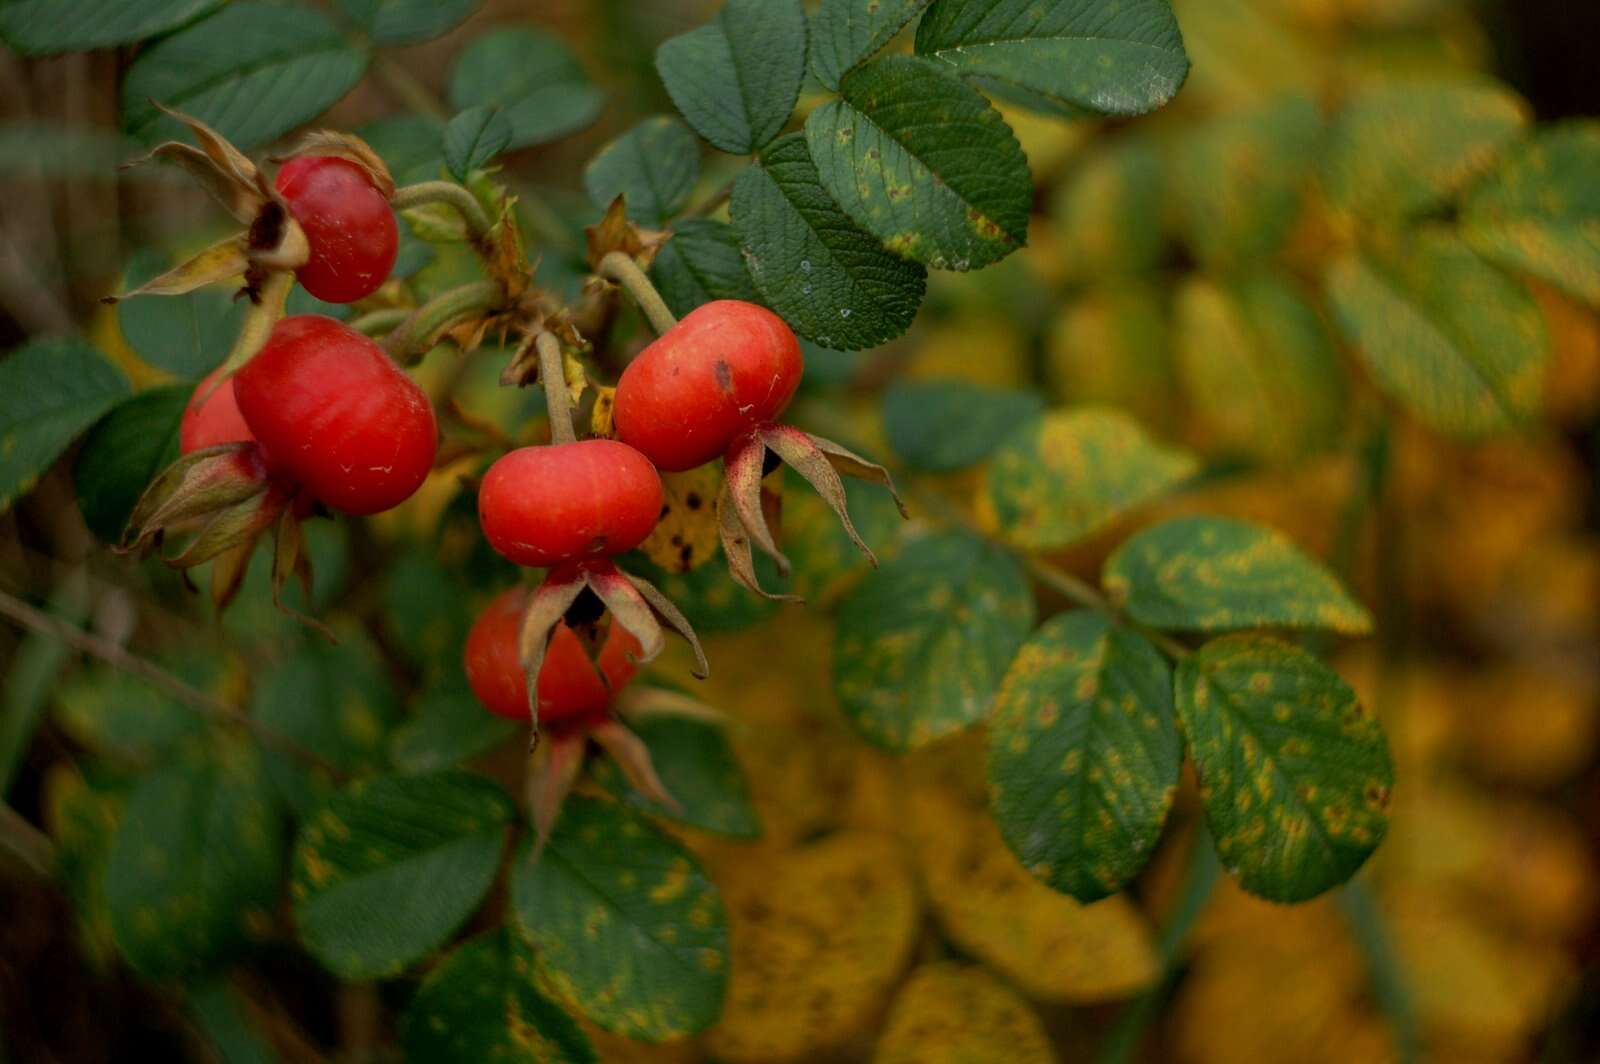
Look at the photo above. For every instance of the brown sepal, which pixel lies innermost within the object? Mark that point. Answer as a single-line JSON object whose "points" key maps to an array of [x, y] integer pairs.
{"points": [[223, 261], [553, 770], [614, 232], [633, 758]]}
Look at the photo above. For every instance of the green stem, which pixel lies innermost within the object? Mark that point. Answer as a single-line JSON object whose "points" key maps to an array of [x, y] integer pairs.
{"points": [[620, 268], [418, 334], [553, 378], [451, 195], [1360, 911], [378, 322], [260, 318], [1198, 882]]}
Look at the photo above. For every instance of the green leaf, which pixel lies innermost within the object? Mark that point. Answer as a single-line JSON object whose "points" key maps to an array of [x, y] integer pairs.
{"points": [[45, 27], [51, 389], [698, 769], [1110, 212], [129, 721], [1084, 754], [700, 263], [654, 165], [335, 699], [1217, 574], [226, 1024], [1067, 475], [625, 923], [33, 673], [1444, 333], [253, 71], [844, 33], [123, 453], [920, 160], [1539, 212], [411, 145], [832, 282], [533, 77], [1294, 773], [1401, 148], [448, 728], [407, 21], [824, 561], [195, 864], [1240, 179], [390, 868], [1123, 58], [1259, 365], [923, 642], [939, 426], [736, 79], [473, 137], [481, 1004], [82, 811], [426, 613], [187, 335]]}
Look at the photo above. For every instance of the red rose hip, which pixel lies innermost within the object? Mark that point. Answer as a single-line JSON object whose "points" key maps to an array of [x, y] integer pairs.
{"points": [[725, 368], [541, 506], [338, 415], [212, 417], [347, 222], [571, 686]]}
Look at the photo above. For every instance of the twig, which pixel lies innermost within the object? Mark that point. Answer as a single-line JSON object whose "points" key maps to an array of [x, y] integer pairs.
{"points": [[553, 378], [215, 709], [616, 266]]}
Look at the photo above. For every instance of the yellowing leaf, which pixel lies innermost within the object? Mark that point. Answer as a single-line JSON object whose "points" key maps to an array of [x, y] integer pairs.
{"points": [[1049, 945], [820, 935], [949, 1014], [685, 537]]}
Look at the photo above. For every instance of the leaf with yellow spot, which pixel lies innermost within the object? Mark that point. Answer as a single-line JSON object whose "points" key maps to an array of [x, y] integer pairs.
{"points": [[336, 699], [132, 722], [1444, 333], [1084, 754], [922, 642], [82, 816], [388, 869], [1051, 947], [820, 934], [1295, 774], [198, 851], [941, 426], [685, 536], [1218, 574], [1112, 346], [481, 1003], [1109, 214], [1539, 212], [1402, 147], [950, 1014], [625, 922], [824, 561], [1070, 473]]}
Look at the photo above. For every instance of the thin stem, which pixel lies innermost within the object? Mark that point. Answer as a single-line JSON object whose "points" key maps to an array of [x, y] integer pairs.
{"points": [[1388, 980], [193, 698], [377, 322], [616, 266], [417, 335], [450, 194], [1085, 595], [553, 377]]}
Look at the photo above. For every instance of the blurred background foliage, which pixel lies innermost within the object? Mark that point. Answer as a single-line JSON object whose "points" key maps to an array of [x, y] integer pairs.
{"points": [[1171, 271]]}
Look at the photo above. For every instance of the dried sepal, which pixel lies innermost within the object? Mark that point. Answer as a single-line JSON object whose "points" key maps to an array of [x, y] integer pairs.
{"points": [[736, 548], [290, 561], [802, 453], [632, 756], [523, 369], [198, 484], [508, 260], [242, 201], [227, 574], [233, 526], [741, 487], [229, 161], [553, 769], [260, 317], [276, 241], [850, 464], [546, 606], [643, 702], [347, 146], [225, 260], [675, 619], [614, 232], [629, 609]]}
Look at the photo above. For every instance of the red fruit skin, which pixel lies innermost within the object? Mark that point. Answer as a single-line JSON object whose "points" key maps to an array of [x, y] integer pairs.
{"points": [[570, 685], [338, 415], [725, 368], [350, 226], [541, 506], [212, 418]]}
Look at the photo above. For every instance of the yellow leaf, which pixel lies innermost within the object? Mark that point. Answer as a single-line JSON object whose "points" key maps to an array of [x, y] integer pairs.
{"points": [[604, 409], [949, 1014], [820, 936], [1529, 725], [982, 349], [1049, 945], [685, 537], [1572, 384]]}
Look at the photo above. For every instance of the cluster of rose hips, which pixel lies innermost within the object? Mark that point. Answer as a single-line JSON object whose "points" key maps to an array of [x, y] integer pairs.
{"points": [[318, 416]]}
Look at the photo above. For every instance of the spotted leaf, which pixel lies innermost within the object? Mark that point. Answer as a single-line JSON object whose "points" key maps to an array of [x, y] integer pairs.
{"points": [[1294, 774], [844, 33], [953, 1014], [1084, 754], [923, 642], [939, 426], [481, 1003], [625, 923], [1070, 473], [1218, 574], [390, 868], [922, 162]]}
